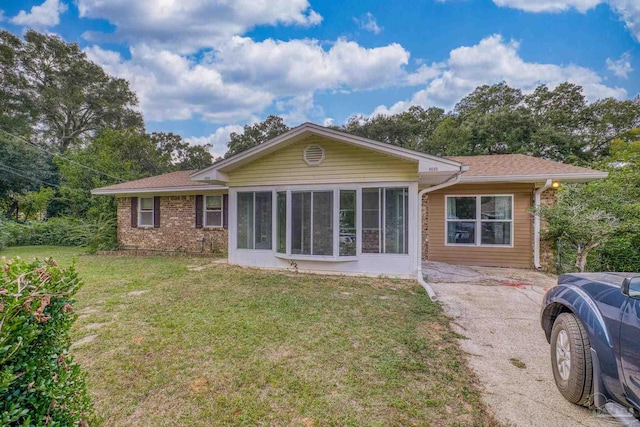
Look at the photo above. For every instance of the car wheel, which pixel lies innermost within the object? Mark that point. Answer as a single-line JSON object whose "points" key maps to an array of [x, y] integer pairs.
{"points": [[571, 359]]}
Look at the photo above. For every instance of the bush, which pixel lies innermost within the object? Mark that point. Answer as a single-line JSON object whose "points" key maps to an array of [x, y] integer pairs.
{"points": [[99, 234], [40, 384]]}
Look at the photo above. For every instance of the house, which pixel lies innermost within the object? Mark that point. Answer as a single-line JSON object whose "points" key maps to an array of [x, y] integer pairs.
{"points": [[322, 200]]}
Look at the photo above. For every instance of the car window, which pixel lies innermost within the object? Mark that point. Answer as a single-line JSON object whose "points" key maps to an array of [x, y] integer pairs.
{"points": [[634, 287]]}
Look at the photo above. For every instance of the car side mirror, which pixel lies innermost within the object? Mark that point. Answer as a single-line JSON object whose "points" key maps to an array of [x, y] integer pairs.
{"points": [[631, 287]]}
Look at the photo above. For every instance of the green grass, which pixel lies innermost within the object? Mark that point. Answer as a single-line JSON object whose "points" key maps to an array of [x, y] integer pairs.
{"points": [[167, 345]]}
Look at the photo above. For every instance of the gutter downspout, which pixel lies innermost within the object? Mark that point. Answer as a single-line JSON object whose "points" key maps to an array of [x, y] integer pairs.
{"points": [[427, 287], [536, 223]]}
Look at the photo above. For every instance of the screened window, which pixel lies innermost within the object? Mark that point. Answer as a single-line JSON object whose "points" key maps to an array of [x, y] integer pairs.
{"points": [[145, 212], [312, 222], [281, 222], [385, 220], [480, 220], [213, 211], [254, 220], [347, 223]]}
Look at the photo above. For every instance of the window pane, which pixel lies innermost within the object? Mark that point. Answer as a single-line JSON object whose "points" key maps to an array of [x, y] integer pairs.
{"points": [[301, 223], [496, 233], [146, 218], [245, 220], [323, 223], [214, 202], [495, 207], [461, 208], [371, 220], [213, 219], [347, 223], [146, 203], [281, 223], [461, 232], [395, 220], [263, 220]]}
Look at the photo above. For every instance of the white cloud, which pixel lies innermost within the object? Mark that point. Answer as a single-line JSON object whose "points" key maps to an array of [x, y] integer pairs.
{"points": [[491, 61], [218, 140], [628, 10], [548, 5], [620, 67], [368, 22], [243, 77], [43, 16], [187, 26]]}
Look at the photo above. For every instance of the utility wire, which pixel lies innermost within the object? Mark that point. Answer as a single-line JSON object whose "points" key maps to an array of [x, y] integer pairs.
{"points": [[51, 153], [13, 171]]}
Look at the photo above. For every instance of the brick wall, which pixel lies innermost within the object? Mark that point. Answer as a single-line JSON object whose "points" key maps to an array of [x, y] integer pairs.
{"points": [[177, 230], [425, 227], [547, 254]]}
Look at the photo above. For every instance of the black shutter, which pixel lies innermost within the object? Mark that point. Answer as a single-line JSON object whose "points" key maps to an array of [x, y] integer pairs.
{"points": [[134, 212], [198, 211], [225, 210], [156, 212]]}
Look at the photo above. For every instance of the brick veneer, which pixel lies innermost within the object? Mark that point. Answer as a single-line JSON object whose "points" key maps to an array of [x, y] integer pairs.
{"points": [[547, 254], [177, 231]]}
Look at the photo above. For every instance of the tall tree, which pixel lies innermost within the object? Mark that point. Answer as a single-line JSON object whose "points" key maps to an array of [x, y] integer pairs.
{"points": [[256, 134], [71, 97]]}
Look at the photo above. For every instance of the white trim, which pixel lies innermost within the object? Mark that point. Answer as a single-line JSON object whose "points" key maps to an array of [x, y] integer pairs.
{"points": [[152, 210], [478, 220], [570, 177], [309, 129], [153, 190], [205, 210]]}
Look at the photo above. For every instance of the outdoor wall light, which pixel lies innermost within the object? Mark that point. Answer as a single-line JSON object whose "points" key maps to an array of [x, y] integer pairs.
{"points": [[555, 184]]}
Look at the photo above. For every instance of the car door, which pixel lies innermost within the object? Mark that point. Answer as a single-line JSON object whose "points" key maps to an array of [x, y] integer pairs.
{"points": [[630, 342]]}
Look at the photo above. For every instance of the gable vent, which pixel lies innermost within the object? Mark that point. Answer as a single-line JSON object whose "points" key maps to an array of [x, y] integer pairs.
{"points": [[313, 154]]}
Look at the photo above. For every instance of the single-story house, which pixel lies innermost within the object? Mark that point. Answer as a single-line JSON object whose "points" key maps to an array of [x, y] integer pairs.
{"points": [[317, 199]]}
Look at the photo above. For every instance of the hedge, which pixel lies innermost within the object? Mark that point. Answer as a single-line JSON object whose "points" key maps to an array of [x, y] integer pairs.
{"points": [[40, 384]]}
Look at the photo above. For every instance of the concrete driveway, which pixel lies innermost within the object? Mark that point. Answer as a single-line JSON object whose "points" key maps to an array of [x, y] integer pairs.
{"points": [[497, 310]]}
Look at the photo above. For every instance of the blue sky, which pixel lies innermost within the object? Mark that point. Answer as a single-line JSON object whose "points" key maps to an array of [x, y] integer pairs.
{"points": [[204, 68]]}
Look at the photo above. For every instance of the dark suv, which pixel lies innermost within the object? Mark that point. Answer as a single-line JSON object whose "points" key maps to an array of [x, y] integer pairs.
{"points": [[592, 321]]}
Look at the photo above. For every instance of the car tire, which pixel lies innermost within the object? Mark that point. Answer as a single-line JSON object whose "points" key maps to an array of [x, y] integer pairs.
{"points": [[571, 359]]}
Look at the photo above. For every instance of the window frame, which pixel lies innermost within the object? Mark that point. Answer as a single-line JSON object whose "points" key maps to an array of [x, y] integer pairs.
{"points": [[253, 212], [478, 221], [205, 210], [140, 211]]}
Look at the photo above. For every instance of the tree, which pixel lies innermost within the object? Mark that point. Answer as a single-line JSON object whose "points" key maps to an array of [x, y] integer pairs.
{"points": [[70, 97], [581, 221], [178, 153], [256, 134]]}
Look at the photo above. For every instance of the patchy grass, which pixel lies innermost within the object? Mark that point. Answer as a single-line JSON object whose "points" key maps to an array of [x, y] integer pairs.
{"points": [[164, 345]]}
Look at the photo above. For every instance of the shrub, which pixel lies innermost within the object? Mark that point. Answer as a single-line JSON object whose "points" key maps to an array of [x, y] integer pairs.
{"points": [[40, 384], [99, 234]]}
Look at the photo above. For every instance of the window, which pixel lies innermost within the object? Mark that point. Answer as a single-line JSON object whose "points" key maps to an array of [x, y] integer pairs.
{"points": [[145, 212], [213, 211], [254, 220], [281, 222], [385, 220], [347, 223], [479, 220], [312, 222]]}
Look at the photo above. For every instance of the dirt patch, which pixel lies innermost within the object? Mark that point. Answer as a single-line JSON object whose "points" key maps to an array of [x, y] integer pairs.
{"points": [[84, 340], [138, 293]]}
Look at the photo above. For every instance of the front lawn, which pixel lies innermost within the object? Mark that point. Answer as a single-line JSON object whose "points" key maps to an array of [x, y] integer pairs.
{"points": [[180, 341]]}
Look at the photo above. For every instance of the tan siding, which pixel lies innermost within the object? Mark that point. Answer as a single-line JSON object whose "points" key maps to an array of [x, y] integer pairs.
{"points": [[520, 255], [342, 163]]}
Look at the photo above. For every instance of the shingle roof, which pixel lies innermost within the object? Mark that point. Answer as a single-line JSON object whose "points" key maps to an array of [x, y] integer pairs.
{"points": [[490, 167], [168, 180], [518, 165]]}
